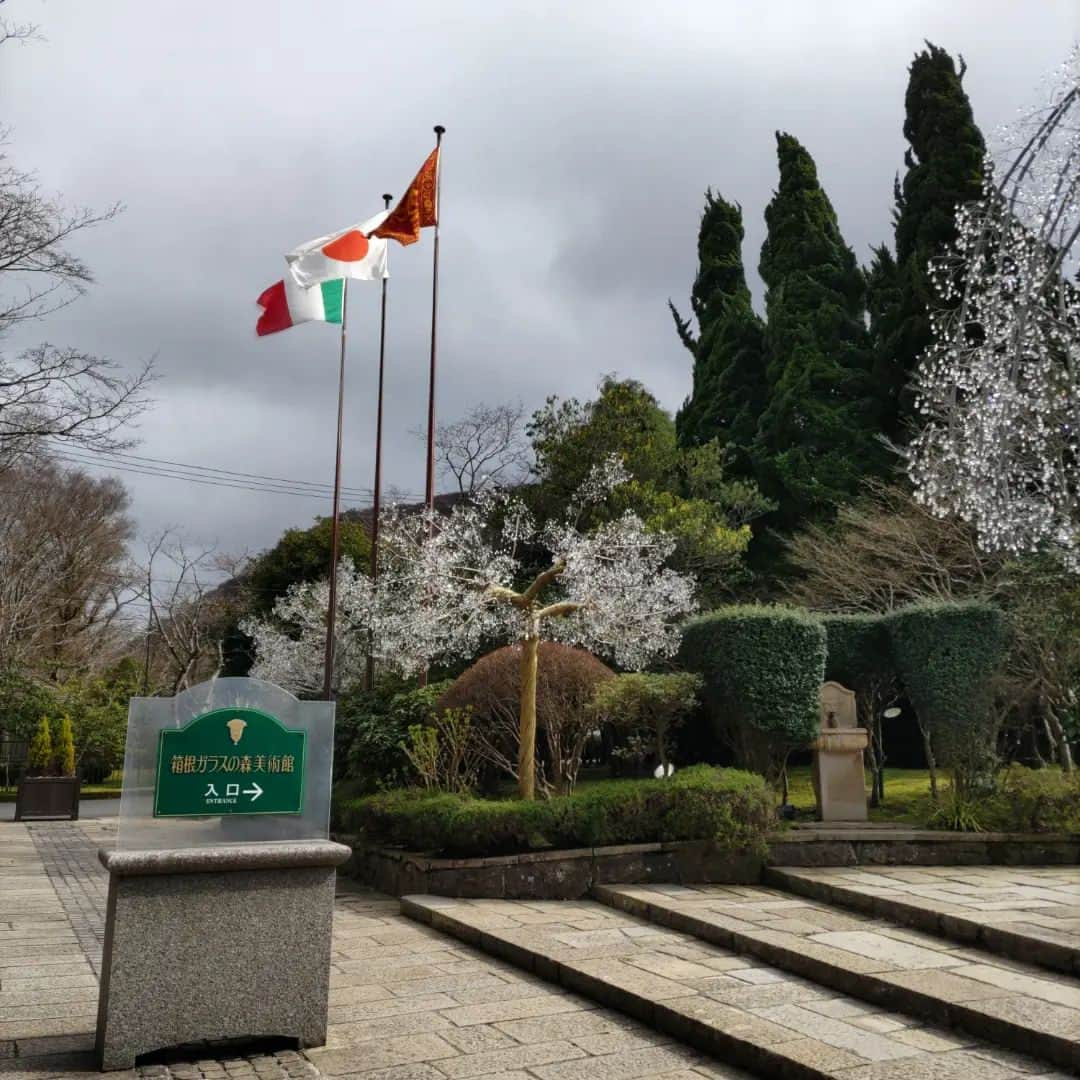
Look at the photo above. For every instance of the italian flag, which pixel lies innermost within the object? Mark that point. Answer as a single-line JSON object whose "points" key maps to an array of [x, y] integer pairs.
{"points": [[285, 304]]}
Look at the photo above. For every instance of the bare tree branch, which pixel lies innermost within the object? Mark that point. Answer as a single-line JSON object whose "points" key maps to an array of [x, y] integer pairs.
{"points": [[487, 445], [188, 614]]}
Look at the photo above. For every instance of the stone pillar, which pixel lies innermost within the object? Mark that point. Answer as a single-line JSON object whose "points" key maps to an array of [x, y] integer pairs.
{"points": [[228, 941]]}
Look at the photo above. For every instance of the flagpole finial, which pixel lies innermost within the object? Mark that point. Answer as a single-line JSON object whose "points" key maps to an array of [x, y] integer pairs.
{"points": [[439, 132], [386, 199]]}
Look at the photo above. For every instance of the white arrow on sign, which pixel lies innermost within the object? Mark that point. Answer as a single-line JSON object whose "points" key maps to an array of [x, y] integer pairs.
{"points": [[254, 791]]}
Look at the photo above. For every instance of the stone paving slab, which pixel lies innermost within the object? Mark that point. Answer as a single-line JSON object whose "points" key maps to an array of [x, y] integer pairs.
{"points": [[1026, 912], [1016, 1005], [734, 1006], [406, 1003]]}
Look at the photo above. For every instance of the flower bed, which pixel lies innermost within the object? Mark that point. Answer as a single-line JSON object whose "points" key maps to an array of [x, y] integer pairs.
{"points": [[732, 810]]}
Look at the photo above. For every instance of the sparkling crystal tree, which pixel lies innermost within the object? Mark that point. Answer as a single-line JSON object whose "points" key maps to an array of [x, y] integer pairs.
{"points": [[450, 584], [999, 388]]}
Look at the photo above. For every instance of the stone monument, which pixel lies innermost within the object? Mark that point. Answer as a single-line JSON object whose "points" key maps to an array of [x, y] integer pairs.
{"points": [[221, 886], [839, 782]]}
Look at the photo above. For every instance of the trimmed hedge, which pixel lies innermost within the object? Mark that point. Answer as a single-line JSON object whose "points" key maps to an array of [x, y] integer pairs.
{"points": [[947, 656], [734, 809], [763, 669], [858, 649]]}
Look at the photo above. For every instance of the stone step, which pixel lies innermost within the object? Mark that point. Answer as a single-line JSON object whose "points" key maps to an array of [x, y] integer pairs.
{"points": [[1014, 1005], [1029, 914], [744, 1012]]}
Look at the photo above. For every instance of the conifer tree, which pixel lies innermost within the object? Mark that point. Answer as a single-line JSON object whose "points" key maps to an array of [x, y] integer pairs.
{"points": [[729, 389], [818, 437], [40, 755], [944, 169], [65, 749]]}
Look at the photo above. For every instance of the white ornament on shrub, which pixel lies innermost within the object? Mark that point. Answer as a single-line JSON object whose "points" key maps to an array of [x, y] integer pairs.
{"points": [[999, 387]]}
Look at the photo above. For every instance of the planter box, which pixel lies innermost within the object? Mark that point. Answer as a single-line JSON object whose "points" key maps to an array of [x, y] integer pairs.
{"points": [[48, 797]]}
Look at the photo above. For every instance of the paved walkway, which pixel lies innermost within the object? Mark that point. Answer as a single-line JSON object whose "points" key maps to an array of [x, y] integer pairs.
{"points": [[798, 1022], [1029, 912], [89, 809], [406, 1003]]}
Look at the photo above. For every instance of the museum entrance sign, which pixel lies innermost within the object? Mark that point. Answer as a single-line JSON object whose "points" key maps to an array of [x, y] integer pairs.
{"points": [[221, 840], [230, 761]]}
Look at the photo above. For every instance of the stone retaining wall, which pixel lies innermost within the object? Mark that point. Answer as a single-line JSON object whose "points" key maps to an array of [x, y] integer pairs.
{"points": [[570, 874], [550, 875], [882, 846]]}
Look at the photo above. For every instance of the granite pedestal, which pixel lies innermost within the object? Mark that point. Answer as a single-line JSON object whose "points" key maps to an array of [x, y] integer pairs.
{"points": [[223, 942]]}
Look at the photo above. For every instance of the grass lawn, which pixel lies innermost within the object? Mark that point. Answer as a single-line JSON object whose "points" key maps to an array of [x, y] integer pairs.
{"points": [[907, 794]]}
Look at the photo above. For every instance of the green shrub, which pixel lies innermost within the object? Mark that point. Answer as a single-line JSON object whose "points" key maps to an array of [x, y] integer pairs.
{"points": [[39, 758], [958, 813], [65, 748], [646, 703], [445, 754], [370, 729], [732, 808], [565, 681], [763, 669], [947, 656], [1034, 801]]}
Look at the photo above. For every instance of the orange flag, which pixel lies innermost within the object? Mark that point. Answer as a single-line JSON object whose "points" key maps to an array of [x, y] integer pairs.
{"points": [[418, 207]]}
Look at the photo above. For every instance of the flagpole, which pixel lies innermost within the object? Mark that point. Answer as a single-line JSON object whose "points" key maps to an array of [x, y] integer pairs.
{"points": [[377, 493], [331, 613], [430, 487]]}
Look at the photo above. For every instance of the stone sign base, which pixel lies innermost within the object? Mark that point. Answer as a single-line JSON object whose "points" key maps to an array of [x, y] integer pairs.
{"points": [[222, 942]]}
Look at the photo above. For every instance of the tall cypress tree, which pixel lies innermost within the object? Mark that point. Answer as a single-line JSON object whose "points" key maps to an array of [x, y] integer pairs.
{"points": [[817, 439], [729, 389], [944, 164]]}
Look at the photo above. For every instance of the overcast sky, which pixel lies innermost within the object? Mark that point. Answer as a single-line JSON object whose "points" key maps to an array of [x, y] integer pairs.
{"points": [[580, 138]]}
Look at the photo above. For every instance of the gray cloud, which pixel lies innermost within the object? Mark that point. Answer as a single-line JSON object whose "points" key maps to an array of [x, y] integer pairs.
{"points": [[580, 140]]}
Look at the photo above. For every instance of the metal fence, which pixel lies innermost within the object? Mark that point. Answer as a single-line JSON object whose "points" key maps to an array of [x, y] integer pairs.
{"points": [[13, 762], [13, 753]]}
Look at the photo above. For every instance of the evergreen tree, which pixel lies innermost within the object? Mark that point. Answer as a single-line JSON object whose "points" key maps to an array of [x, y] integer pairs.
{"points": [[685, 492], [39, 758], [944, 168], [817, 439], [65, 749], [729, 389]]}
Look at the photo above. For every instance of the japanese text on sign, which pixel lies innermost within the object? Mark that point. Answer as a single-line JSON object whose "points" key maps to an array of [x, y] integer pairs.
{"points": [[230, 761], [212, 763]]}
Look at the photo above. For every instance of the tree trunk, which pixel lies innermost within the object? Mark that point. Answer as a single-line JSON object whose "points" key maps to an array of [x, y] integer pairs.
{"points": [[1036, 752], [1063, 751], [872, 765], [527, 734], [931, 762], [877, 736]]}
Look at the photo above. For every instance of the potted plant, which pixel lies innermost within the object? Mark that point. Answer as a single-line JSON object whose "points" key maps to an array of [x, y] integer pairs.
{"points": [[50, 788]]}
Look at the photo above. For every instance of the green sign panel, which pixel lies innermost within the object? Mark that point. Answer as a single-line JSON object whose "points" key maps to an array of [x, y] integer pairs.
{"points": [[230, 761]]}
